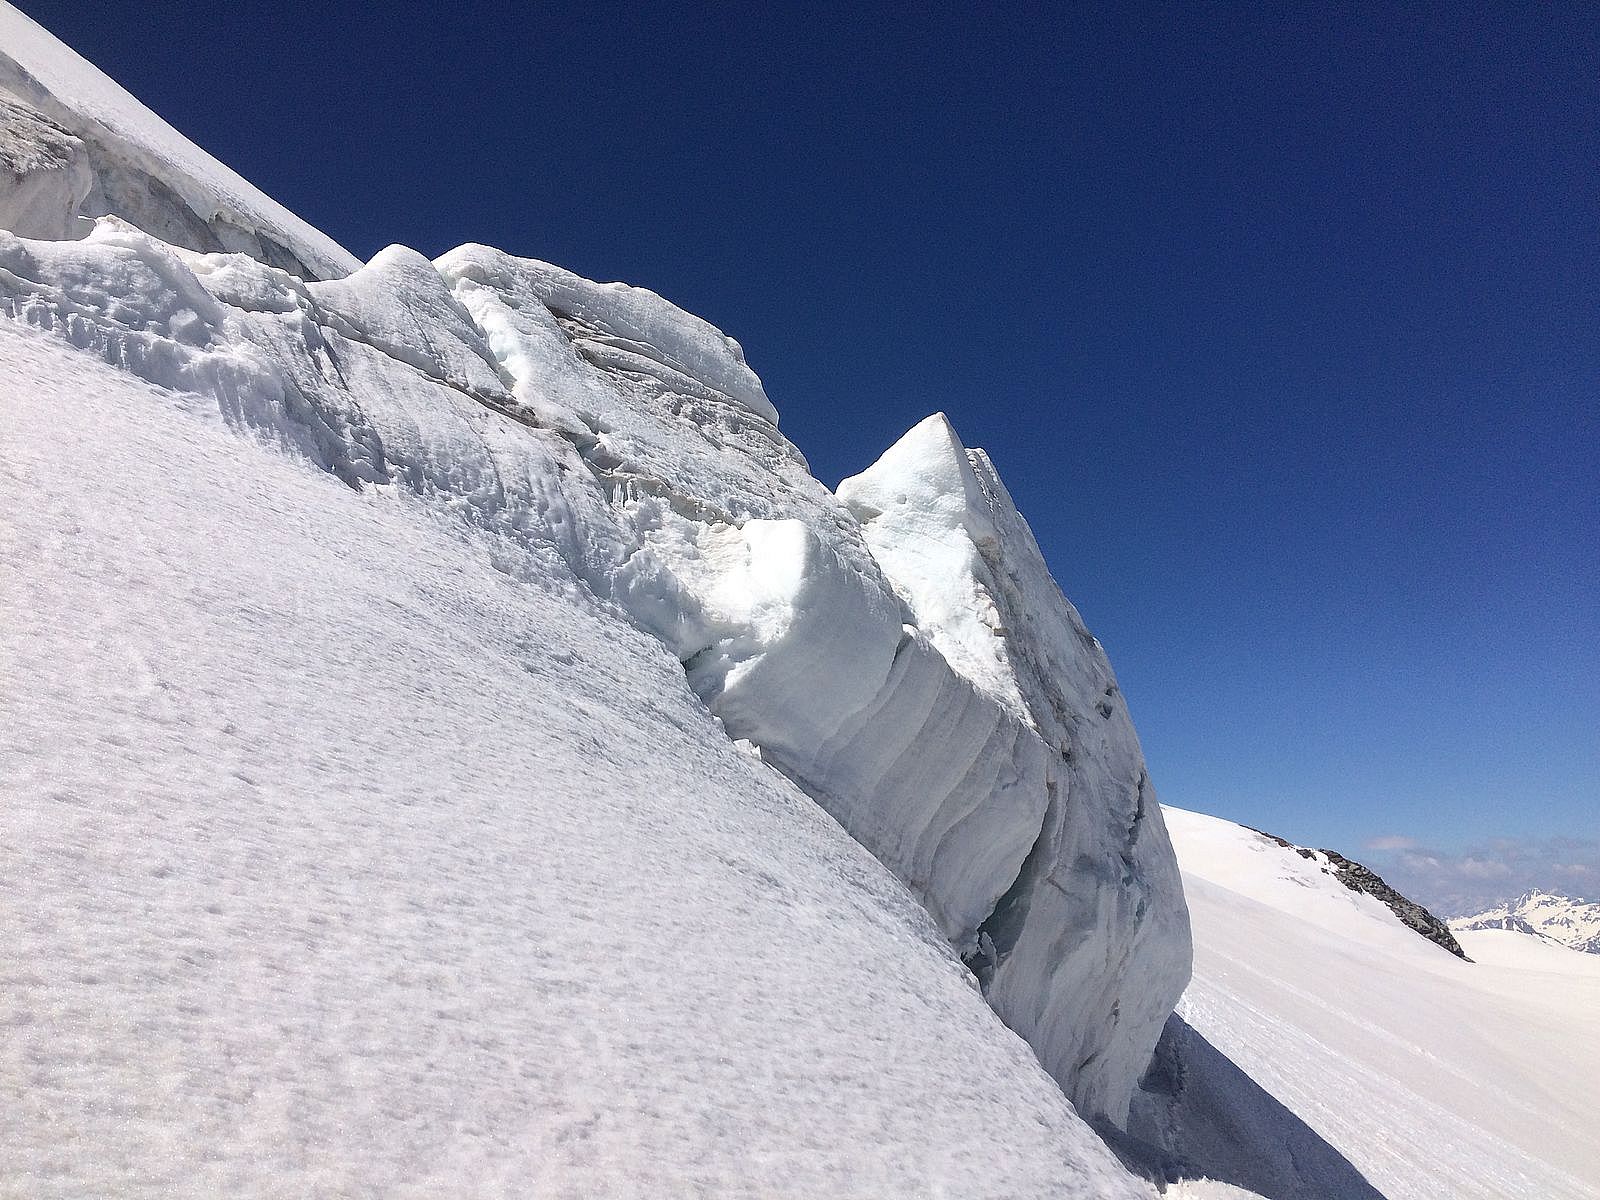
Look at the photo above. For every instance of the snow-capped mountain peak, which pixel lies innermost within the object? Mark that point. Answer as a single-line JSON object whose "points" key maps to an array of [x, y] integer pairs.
{"points": [[1561, 919]]}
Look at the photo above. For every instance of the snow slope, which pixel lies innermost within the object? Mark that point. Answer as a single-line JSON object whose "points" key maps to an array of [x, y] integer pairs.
{"points": [[663, 485], [358, 850], [618, 461], [1574, 924], [1323, 1049], [658, 475], [109, 154]]}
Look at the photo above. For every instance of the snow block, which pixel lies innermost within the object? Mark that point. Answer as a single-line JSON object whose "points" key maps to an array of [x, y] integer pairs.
{"points": [[1090, 948]]}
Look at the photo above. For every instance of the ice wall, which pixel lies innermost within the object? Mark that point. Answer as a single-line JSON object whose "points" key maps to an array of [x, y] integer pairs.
{"points": [[122, 159], [900, 651], [352, 850], [1007, 793], [763, 585], [1089, 950]]}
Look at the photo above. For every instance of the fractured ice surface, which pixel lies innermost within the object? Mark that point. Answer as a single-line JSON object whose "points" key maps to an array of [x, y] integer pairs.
{"points": [[127, 161], [900, 651], [846, 640], [1087, 952]]}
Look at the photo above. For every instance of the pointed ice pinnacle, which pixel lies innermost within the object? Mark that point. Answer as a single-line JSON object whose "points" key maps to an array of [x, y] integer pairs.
{"points": [[1090, 945]]}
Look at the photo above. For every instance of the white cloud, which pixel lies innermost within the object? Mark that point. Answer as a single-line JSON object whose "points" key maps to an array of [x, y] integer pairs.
{"points": [[1482, 868], [1469, 880], [1390, 841]]}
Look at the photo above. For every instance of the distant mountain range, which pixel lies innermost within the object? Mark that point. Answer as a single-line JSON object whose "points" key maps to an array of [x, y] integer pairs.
{"points": [[1560, 919]]}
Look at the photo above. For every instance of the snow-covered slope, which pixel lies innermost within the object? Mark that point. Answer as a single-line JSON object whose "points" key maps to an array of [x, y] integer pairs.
{"points": [[1574, 924], [681, 503], [75, 144], [355, 850], [1323, 1049], [423, 664]]}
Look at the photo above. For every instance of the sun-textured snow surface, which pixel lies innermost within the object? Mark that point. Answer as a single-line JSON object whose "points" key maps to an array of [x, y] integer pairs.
{"points": [[358, 850], [1390, 1067], [109, 154], [559, 469]]}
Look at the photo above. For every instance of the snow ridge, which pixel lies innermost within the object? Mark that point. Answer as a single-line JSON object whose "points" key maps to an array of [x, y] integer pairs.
{"points": [[1366, 881]]}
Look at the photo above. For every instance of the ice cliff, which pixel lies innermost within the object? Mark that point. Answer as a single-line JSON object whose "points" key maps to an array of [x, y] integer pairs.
{"points": [[76, 145], [899, 651]]}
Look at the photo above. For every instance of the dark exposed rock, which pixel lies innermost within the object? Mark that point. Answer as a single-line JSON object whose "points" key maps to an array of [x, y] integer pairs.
{"points": [[1362, 879]]}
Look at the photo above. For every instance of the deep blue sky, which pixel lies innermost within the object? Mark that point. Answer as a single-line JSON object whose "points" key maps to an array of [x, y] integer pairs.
{"points": [[1280, 323]]}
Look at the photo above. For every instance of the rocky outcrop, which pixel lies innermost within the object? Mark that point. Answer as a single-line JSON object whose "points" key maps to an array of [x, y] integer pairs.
{"points": [[1412, 915], [1368, 882]]}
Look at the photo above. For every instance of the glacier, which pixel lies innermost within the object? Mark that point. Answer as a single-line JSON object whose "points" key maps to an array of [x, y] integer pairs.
{"points": [[355, 851], [79, 146], [460, 748], [1327, 1049], [407, 375], [701, 650]]}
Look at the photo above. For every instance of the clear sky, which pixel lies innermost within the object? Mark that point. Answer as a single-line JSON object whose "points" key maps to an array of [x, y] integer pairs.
{"points": [[1280, 322]]}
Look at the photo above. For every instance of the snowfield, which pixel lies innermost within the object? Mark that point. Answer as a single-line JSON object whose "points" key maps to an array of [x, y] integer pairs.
{"points": [[452, 745], [357, 853], [1389, 1066]]}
